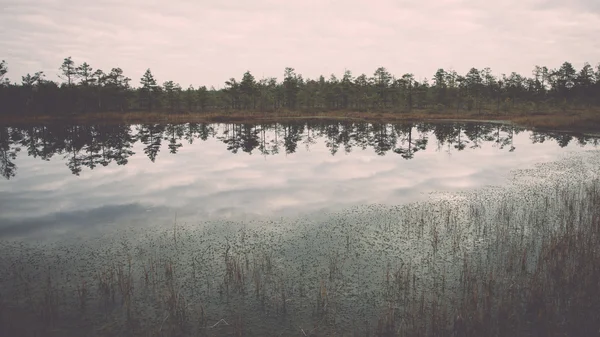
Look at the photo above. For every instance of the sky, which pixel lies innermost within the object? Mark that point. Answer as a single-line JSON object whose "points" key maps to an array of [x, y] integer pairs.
{"points": [[202, 42]]}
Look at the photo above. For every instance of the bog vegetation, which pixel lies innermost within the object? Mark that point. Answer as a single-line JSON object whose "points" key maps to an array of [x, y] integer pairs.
{"points": [[520, 261]]}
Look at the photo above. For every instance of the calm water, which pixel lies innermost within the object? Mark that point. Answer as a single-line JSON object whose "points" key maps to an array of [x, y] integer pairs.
{"points": [[61, 180], [324, 234]]}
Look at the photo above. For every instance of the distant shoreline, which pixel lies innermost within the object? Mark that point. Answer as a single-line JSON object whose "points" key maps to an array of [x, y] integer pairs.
{"points": [[575, 120]]}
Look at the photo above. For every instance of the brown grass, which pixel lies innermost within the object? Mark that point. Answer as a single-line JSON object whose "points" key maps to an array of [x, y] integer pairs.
{"points": [[581, 121], [572, 120]]}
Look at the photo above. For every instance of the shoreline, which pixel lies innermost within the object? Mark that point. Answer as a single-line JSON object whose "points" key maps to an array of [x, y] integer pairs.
{"points": [[586, 122]]}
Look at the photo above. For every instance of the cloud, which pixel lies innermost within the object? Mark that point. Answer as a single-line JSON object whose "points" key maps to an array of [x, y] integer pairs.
{"points": [[207, 42], [591, 6], [97, 220]]}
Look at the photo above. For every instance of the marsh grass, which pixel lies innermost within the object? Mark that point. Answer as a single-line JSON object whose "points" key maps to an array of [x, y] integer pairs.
{"points": [[521, 262], [574, 119]]}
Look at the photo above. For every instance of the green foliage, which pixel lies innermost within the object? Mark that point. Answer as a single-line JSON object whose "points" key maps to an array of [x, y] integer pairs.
{"points": [[173, 95], [3, 69], [32, 80], [479, 90], [148, 90], [147, 81], [85, 72], [68, 70]]}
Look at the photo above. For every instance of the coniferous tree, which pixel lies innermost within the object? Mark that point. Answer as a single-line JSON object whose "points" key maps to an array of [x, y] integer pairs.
{"points": [[3, 70], [479, 90], [68, 71], [148, 89]]}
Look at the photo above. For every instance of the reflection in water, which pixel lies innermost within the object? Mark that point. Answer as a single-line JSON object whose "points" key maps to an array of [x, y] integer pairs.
{"points": [[148, 175], [94, 146], [417, 262]]}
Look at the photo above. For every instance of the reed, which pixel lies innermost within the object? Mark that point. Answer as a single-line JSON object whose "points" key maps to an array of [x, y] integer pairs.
{"points": [[483, 266]]}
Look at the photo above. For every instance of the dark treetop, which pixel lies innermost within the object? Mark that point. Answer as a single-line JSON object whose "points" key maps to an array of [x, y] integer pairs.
{"points": [[85, 89]]}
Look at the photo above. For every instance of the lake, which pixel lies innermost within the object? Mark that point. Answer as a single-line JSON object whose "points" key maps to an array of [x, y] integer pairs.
{"points": [[279, 229], [73, 179]]}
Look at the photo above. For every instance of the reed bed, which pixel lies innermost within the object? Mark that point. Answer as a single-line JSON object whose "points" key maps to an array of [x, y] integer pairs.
{"points": [[516, 261]]}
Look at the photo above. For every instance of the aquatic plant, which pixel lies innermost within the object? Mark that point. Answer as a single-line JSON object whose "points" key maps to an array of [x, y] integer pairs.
{"points": [[518, 260]]}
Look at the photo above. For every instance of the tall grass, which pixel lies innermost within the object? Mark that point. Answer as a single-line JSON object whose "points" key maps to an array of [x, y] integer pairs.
{"points": [[507, 264]]}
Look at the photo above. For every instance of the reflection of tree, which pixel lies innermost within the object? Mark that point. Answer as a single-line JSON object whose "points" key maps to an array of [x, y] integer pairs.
{"points": [[76, 138], [91, 151], [562, 139], [409, 142], [151, 136], [249, 138], [243, 136], [97, 145], [461, 144], [275, 142], [331, 138], [346, 137], [205, 131], [337, 134], [450, 134], [93, 146], [509, 138], [585, 140], [362, 135], [310, 137], [383, 139], [444, 133], [478, 133], [231, 138], [39, 142], [198, 131], [119, 143], [174, 133], [503, 136], [8, 153], [292, 135], [262, 145]]}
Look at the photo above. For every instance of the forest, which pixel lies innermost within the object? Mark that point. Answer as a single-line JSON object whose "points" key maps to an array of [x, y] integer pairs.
{"points": [[88, 90]]}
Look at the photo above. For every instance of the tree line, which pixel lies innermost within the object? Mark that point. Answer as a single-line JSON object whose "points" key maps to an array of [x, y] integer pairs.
{"points": [[81, 146], [85, 89]]}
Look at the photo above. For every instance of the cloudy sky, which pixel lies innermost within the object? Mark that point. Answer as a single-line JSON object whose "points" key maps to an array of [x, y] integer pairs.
{"points": [[203, 42]]}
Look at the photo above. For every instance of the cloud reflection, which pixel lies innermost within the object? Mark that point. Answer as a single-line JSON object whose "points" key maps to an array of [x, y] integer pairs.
{"points": [[205, 181]]}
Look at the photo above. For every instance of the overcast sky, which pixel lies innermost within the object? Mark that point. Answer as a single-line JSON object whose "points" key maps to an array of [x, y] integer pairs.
{"points": [[206, 42]]}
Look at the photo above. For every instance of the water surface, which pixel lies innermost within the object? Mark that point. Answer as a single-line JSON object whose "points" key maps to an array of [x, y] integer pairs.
{"points": [[67, 180]]}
